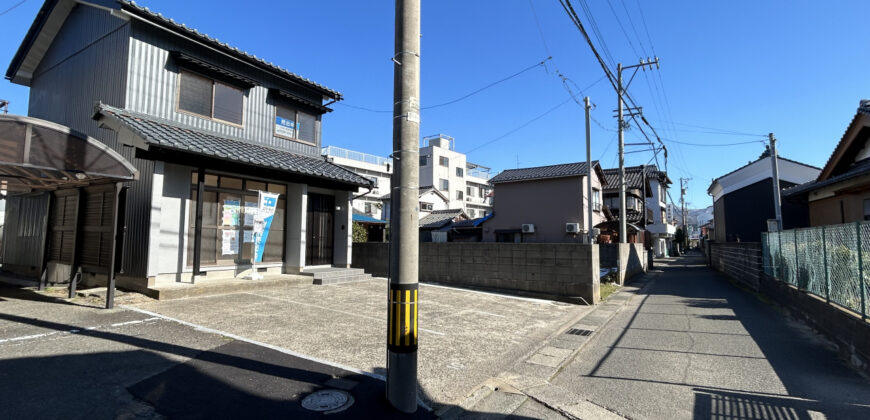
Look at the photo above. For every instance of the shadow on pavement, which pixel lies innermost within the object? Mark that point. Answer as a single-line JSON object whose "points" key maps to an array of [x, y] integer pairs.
{"points": [[815, 379], [234, 380]]}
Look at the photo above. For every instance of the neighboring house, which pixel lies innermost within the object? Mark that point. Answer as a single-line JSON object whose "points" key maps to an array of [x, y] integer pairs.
{"points": [[430, 200], [375, 229], [376, 169], [646, 193], [435, 225], [743, 199], [551, 201], [465, 184], [841, 192], [207, 126]]}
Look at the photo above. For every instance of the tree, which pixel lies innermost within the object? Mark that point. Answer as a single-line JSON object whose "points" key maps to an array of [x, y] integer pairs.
{"points": [[360, 233]]}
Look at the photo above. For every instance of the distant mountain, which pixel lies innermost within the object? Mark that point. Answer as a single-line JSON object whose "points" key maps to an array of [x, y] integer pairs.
{"points": [[696, 217]]}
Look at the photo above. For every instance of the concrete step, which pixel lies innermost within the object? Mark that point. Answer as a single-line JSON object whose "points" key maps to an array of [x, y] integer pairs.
{"points": [[342, 279], [326, 273], [227, 286]]}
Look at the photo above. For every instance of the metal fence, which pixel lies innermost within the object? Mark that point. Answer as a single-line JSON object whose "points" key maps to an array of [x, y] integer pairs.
{"points": [[828, 261]]}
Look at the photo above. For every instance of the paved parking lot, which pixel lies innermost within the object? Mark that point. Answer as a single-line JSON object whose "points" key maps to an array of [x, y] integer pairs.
{"points": [[466, 336]]}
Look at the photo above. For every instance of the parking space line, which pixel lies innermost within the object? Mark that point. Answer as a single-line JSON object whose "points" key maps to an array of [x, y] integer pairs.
{"points": [[73, 331], [459, 289], [333, 310]]}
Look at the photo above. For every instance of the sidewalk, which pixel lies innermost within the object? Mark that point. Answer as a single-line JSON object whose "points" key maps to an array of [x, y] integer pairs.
{"points": [[681, 342]]}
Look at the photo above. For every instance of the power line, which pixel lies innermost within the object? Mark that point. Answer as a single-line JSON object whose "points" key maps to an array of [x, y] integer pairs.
{"points": [[523, 125], [715, 144], [453, 101], [722, 130], [14, 6]]}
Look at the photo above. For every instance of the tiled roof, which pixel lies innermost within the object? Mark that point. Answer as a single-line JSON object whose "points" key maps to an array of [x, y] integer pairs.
{"points": [[860, 168], [158, 18], [170, 135], [543, 172], [862, 113], [634, 176], [439, 218], [423, 190]]}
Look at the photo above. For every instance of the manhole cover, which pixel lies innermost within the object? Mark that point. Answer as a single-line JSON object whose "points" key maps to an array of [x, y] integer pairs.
{"points": [[327, 400]]}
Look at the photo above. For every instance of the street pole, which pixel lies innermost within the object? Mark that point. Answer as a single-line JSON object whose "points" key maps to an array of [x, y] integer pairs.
{"points": [[683, 211], [623, 234], [402, 295], [589, 172], [774, 165]]}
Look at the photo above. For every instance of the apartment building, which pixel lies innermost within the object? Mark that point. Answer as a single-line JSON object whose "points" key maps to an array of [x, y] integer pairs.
{"points": [[376, 169], [464, 184]]}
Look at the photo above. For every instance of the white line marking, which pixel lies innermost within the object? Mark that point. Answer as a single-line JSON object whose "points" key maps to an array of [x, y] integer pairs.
{"points": [[76, 330], [247, 340], [489, 293], [335, 310]]}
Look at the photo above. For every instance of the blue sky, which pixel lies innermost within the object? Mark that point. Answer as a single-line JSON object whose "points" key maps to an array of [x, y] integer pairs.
{"points": [[793, 68]]}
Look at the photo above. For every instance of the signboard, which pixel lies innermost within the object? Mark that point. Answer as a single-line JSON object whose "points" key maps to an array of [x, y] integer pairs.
{"points": [[263, 221], [285, 127]]}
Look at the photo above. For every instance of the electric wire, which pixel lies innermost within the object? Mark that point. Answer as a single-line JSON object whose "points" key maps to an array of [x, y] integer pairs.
{"points": [[13, 7], [461, 98]]}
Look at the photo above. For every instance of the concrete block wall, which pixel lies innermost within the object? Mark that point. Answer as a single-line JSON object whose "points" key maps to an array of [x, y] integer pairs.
{"points": [[563, 271], [739, 260], [629, 259]]}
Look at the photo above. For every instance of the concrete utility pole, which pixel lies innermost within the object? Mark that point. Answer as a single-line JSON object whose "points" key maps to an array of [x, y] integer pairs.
{"points": [[404, 250], [588, 172], [774, 165], [620, 91], [684, 184]]}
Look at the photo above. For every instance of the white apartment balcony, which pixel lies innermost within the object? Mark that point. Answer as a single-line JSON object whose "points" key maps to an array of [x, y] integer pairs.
{"points": [[661, 229], [483, 201]]}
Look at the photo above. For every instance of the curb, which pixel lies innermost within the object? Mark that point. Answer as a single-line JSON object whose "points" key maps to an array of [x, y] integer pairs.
{"points": [[530, 377]]}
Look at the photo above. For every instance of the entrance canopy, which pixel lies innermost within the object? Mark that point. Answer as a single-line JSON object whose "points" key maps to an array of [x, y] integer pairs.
{"points": [[38, 155]]}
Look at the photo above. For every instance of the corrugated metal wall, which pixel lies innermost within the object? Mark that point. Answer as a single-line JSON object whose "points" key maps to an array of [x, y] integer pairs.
{"points": [[24, 232], [153, 81], [88, 63]]}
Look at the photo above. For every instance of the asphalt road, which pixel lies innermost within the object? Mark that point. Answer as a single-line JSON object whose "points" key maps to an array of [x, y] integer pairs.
{"points": [[692, 345]]}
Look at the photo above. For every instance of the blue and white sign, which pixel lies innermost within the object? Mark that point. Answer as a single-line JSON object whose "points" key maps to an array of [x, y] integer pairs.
{"points": [[263, 221], [285, 127]]}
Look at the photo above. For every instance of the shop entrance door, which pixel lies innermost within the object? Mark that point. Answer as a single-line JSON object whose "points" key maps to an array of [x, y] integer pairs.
{"points": [[321, 217]]}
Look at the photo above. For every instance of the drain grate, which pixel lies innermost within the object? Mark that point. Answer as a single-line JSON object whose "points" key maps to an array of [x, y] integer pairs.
{"points": [[577, 331]]}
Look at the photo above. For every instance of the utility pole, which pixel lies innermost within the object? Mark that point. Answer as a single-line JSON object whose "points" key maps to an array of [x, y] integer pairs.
{"points": [[588, 172], [684, 184], [404, 251], [774, 165], [620, 91]]}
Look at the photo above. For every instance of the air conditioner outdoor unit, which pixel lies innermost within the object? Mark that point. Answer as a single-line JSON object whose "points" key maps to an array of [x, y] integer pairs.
{"points": [[572, 227], [596, 232], [528, 228]]}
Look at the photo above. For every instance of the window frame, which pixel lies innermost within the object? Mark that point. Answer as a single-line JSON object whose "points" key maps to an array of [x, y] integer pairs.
{"points": [[426, 206], [443, 184], [214, 81], [460, 195], [460, 172], [296, 122], [444, 161]]}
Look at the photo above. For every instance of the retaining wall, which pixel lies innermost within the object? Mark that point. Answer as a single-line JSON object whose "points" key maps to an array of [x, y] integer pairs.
{"points": [[561, 271], [632, 256], [739, 260]]}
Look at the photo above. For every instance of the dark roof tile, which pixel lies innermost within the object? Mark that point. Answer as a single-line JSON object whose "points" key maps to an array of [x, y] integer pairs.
{"points": [[542, 172], [171, 135]]}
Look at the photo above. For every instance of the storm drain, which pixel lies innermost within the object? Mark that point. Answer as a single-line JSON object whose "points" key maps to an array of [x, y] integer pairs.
{"points": [[328, 401], [577, 331]]}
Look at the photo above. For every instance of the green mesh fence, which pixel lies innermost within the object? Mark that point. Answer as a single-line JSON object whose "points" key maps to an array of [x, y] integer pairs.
{"points": [[827, 261]]}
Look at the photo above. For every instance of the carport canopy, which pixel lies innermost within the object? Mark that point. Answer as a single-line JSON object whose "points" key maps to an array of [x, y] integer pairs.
{"points": [[38, 155]]}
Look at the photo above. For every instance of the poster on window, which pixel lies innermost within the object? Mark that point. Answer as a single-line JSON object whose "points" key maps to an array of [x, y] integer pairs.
{"points": [[263, 221], [230, 213], [285, 127], [230, 243]]}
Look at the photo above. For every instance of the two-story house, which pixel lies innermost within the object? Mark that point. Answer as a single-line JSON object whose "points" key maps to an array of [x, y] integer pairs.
{"points": [[211, 130], [646, 192], [545, 204]]}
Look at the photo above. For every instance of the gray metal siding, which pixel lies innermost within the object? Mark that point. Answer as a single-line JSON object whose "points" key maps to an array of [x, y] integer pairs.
{"points": [[153, 82], [88, 63], [24, 230]]}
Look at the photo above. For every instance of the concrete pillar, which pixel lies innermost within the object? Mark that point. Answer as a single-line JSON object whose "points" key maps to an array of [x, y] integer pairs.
{"points": [[343, 230], [297, 224]]}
